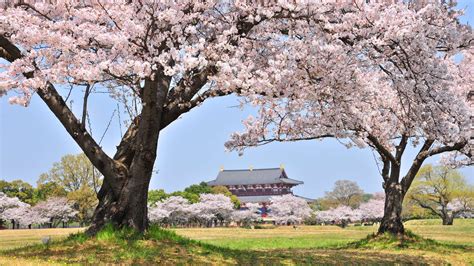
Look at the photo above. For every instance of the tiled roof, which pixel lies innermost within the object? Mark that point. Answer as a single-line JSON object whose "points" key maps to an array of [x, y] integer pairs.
{"points": [[252, 177], [265, 198]]}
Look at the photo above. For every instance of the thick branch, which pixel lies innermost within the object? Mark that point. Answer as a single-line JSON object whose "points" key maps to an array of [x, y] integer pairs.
{"points": [[455, 147], [84, 106], [172, 113], [381, 149], [424, 153], [426, 206], [417, 162], [56, 104], [8, 51], [385, 169], [400, 149]]}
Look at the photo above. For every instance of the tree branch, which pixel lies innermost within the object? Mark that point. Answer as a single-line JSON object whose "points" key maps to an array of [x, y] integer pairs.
{"points": [[400, 149], [84, 106], [56, 104], [417, 162], [426, 206], [381, 149]]}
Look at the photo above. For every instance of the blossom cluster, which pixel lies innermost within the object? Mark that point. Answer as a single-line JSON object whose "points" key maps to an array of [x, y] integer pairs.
{"points": [[217, 209], [370, 211], [376, 72], [53, 210], [236, 45], [289, 209], [177, 211]]}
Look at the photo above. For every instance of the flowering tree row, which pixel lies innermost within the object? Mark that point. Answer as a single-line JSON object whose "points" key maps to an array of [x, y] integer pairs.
{"points": [[370, 211], [52, 212], [373, 211], [218, 210]]}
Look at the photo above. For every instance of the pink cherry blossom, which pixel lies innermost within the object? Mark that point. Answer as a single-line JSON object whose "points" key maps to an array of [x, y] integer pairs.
{"points": [[56, 210], [289, 209]]}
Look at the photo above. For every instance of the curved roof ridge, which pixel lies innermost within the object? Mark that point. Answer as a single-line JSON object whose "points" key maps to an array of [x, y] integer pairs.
{"points": [[254, 169], [253, 177]]}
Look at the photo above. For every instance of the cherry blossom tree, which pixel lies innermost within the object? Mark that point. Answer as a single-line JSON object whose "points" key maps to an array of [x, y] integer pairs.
{"points": [[8, 202], [341, 215], [159, 59], [6, 205], [24, 215], [158, 215], [214, 208], [56, 210], [175, 211], [247, 215], [372, 210], [384, 77], [287, 209], [461, 207]]}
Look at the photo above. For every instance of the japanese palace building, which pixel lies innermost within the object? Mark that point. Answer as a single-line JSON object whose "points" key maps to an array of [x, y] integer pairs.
{"points": [[256, 185]]}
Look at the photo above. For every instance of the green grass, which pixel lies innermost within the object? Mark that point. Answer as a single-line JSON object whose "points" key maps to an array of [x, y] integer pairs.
{"points": [[10, 239], [236, 246], [462, 232]]}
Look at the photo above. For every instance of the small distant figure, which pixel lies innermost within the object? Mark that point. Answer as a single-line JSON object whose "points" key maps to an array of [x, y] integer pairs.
{"points": [[294, 227]]}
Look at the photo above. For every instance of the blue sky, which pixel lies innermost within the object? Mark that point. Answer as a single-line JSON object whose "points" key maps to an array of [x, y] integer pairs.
{"points": [[191, 149]]}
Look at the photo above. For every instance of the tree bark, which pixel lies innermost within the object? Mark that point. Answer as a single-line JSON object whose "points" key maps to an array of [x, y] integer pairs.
{"points": [[127, 207], [448, 219], [392, 220]]}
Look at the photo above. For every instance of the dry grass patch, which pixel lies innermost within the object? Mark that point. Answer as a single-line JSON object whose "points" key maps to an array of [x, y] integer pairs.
{"points": [[10, 239]]}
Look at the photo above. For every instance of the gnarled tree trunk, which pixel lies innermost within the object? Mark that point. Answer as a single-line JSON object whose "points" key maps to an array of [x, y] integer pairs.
{"points": [[392, 219], [126, 209], [123, 196]]}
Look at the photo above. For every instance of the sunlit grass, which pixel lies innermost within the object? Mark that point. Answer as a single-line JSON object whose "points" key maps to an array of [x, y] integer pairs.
{"points": [[218, 246], [10, 239], [462, 232]]}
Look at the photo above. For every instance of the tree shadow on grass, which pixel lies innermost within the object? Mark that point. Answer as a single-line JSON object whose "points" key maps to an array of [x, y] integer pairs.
{"points": [[158, 246]]}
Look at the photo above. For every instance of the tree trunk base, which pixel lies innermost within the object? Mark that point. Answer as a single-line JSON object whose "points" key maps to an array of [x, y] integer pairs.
{"points": [[392, 220], [393, 227], [128, 209], [448, 220]]}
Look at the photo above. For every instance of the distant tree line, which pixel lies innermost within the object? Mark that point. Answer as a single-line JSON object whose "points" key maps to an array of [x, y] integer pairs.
{"points": [[72, 182], [192, 194], [68, 193]]}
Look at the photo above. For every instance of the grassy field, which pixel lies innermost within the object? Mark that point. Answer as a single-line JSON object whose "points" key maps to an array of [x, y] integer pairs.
{"points": [[280, 245], [462, 232], [10, 239]]}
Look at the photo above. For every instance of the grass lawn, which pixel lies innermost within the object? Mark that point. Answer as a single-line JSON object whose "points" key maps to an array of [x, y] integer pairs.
{"points": [[10, 239], [462, 232], [281, 245]]}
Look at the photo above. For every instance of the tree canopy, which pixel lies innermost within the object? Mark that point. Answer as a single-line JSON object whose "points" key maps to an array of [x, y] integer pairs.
{"points": [[386, 77], [442, 191], [379, 75]]}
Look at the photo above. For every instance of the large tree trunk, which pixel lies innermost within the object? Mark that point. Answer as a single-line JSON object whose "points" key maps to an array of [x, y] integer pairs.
{"points": [[448, 219], [392, 220], [127, 209], [123, 196]]}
